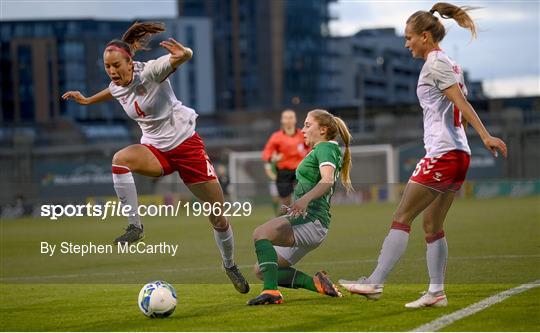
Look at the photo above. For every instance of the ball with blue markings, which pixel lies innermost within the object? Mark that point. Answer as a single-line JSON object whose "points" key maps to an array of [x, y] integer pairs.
{"points": [[157, 299]]}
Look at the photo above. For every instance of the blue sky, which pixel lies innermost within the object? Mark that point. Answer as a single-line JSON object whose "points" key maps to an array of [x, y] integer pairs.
{"points": [[506, 55]]}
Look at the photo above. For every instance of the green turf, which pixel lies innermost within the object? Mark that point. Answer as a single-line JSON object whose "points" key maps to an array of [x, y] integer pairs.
{"points": [[216, 307], [493, 246], [522, 311]]}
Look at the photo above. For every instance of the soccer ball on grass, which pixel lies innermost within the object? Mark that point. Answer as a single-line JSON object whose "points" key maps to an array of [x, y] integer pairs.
{"points": [[157, 299]]}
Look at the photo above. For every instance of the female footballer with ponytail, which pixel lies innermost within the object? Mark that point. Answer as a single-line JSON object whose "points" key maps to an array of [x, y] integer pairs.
{"points": [[169, 142], [281, 242], [441, 91]]}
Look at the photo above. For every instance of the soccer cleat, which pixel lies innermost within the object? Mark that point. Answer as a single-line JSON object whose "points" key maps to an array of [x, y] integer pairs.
{"points": [[267, 297], [429, 299], [133, 234], [361, 287], [238, 280], [325, 286]]}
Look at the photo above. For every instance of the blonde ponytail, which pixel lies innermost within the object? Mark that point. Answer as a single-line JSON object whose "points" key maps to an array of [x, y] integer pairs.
{"points": [[459, 14], [347, 163], [335, 126], [426, 20]]}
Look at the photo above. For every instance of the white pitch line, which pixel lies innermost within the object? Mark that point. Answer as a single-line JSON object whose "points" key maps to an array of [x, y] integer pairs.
{"points": [[487, 257], [444, 321]]}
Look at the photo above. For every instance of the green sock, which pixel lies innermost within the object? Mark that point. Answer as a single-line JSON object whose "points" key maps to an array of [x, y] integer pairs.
{"points": [[290, 277], [267, 257]]}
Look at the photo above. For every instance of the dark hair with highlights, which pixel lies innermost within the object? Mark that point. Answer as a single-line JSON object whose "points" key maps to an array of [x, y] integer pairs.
{"points": [[426, 20], [137, 36]]}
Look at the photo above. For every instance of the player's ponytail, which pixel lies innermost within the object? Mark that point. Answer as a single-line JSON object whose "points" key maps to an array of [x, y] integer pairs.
{"points": [[335, 126], [459, 14], [139, 34], [426, 20], [135, 38], [346, 169]]}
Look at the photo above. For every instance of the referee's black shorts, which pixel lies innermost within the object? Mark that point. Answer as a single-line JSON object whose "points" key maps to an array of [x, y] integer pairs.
{"points": [[285, 181]]}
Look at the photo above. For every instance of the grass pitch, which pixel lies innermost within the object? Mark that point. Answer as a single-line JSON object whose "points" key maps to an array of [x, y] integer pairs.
{"points": [[493, 246]]}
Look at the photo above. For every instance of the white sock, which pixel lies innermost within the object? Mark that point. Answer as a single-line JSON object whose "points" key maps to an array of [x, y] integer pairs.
{"points": [[225, 243], [437, 256], [394, 246], [124, 185]]}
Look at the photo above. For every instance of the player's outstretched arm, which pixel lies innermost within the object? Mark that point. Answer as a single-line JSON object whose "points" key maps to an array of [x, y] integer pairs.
{"points": [[101, 96], [179, 53], [494, 144]]}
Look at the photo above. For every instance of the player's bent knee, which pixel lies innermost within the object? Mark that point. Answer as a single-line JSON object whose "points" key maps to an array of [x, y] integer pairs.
{"points": [[121, 158], [258, 234]]}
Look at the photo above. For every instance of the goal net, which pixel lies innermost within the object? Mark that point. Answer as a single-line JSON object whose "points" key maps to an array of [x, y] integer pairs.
{"points": [[374, 175]]}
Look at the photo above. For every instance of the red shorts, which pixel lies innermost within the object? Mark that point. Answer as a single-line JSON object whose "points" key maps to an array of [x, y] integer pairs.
{"points": [[190, 160], [443, 173]]}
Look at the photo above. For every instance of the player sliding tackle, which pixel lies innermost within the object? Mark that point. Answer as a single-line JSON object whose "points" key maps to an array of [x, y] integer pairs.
{"points": [[281, 242], [169, 142], [441, 172]]}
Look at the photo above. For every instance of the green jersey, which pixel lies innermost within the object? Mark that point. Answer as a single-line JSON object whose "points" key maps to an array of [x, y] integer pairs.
{"points": [[308, 175]]}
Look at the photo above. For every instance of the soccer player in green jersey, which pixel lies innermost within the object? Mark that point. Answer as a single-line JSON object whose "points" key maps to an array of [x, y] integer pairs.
{"points": [[283, 241]]}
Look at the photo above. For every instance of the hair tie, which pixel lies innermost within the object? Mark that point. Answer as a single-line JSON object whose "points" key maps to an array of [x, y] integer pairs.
{"points": [[119, 49], [432, 11]]}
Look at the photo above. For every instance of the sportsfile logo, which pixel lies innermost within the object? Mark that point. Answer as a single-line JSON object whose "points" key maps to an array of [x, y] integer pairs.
{"points": [[117, 209]]}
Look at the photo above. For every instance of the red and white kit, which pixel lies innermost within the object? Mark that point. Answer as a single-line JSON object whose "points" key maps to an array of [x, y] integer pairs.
{"points": [[168, 127], [447, 151]]}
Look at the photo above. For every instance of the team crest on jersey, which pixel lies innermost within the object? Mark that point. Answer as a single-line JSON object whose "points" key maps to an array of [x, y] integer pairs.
{"points": [[140, 90], [437, 176], [456, 69], [123, 100]]}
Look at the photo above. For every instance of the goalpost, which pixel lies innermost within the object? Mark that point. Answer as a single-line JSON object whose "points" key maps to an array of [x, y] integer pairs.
{"points": [[374, 175]]}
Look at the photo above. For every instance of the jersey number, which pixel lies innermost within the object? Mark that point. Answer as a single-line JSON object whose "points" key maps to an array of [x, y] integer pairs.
{"points": [[210, 172], [139, 111], [457, 113]]}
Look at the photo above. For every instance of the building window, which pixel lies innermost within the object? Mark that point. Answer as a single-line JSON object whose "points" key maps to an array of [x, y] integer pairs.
{"points": [[26, 83]]}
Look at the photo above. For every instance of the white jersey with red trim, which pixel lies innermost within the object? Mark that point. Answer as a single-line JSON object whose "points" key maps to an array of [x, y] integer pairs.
{"points": [[150, 100], [443, 130]]}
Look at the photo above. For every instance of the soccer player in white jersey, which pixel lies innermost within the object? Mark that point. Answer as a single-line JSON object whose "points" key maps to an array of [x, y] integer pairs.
{"points": [[169, 141], [441, 172]]}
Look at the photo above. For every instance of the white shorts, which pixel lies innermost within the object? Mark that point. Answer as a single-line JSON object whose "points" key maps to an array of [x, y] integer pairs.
{"points": [[307, 237]]}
